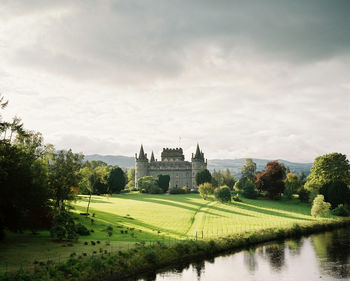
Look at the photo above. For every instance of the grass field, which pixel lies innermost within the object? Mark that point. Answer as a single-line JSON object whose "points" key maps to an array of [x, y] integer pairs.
{"points": [[138, 217]]}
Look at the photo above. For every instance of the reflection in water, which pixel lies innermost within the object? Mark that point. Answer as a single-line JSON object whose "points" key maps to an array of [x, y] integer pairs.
{"points": [[324, 256], [333, 252]]}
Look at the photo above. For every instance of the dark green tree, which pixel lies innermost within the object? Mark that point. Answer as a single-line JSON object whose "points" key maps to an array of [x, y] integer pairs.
{"points": [[203, 176], [163, 182], [248, 169], [149, 185], [222, 194], [64, 176], [335, 193], [116, 180]]}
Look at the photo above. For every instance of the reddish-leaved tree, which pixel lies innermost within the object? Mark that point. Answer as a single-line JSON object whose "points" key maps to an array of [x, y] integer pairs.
{"points": [[271, 180]]}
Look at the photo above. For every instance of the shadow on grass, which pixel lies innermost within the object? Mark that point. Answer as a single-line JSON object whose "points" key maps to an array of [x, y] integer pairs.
{"points": [[269, 212], [186, 201], [83, 199]]}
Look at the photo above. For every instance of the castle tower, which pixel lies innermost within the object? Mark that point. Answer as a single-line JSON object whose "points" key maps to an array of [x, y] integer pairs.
{"points": [[198, 163], [152, 157], [141, 165]]}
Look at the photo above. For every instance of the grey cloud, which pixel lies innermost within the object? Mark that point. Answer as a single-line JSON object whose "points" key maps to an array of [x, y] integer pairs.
{"points": [[142, 41]]}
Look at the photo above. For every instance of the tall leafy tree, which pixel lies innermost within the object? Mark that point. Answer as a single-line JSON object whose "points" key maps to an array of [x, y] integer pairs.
{"points": [[292, 185], [333, 167], [131, 178], [228, 179], [116, 180], [203, 176], [248, 169], [163, 182], [217, 178], [64, 176]]}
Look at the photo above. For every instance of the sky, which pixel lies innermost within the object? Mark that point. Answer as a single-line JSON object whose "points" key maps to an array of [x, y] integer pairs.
{"points": [[263, 79]]}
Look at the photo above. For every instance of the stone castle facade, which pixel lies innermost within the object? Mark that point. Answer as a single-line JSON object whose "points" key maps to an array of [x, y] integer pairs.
{"points": [[181, 172]]}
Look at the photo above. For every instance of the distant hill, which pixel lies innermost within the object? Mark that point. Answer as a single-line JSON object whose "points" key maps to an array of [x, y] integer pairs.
{"points": [[219, 164], [235, 165]]}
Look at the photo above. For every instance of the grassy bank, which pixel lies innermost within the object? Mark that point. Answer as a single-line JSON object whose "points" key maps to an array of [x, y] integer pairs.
{"points": [[146, 258], [148, 218]]}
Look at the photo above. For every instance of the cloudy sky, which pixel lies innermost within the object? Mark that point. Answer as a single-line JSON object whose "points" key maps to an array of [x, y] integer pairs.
{"points": [[265, 79]]}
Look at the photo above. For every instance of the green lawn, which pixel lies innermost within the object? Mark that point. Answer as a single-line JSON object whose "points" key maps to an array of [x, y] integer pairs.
{"points": [[138, 217]]}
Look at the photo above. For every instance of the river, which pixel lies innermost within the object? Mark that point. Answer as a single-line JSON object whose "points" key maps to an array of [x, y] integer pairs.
{"points": [[323, 256]]}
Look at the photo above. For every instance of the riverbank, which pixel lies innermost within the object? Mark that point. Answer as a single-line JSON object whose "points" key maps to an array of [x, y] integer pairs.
{"points": [[141, 259]]}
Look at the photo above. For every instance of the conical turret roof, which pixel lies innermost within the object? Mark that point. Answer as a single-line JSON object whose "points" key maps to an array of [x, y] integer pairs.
{"points": [[198, 154], [142, 154], [152, 157]]}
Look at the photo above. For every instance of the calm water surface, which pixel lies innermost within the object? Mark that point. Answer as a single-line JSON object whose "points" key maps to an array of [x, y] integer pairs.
{"points": [[323, 256]]}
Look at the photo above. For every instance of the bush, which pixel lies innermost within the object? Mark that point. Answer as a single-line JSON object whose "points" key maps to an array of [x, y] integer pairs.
{"points": [[149, 185], [304, 195], [223, 194], [335, 193], [320, 207], [82, 230], [177, 191], [63, 226], [249, 190], [236, 198], [341, 211], [151, 256], [205, 189]]}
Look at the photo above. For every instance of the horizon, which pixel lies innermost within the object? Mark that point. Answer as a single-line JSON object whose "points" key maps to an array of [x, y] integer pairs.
{"points": [[265, 79]]}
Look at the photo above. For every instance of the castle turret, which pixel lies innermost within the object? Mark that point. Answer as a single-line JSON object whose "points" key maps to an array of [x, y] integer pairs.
{"points": [[152, 157], [141, 165], [198, 163]]}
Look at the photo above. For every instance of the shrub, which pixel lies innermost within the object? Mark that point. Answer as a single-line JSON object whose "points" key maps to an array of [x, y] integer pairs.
{"points": [[82, 230], [176, 191], [151, 256], [335, 193], [304, 195], [249, 190], [341, 211], [149, 185], [223, 193], [63, 226], [236, 198], [320, 207], [205, 189]]}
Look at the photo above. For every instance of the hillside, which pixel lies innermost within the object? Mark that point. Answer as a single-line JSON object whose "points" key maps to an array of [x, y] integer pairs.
{"points": [[219, 164]]}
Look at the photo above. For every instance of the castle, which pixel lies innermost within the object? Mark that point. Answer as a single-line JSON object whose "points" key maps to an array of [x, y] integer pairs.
{"points": [[181, 172]]}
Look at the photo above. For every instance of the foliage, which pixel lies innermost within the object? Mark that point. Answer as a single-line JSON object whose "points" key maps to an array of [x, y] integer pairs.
{"points": [[131, 179], [205, 189], [149, 185], [163, 182], [341, 211], [217, 178], [203, 176], [64, 176], [333, 167], [240, 184], [292, 185], [271, 180], [182, 190], [96, 163], [236, 198], [249, 190], [99, 180], [24, 197], [82, 229], [116, 180], [304, 195], [222, 193], [85, 185], [320, 207], [63, 226], [248, 169], [335, 193]]}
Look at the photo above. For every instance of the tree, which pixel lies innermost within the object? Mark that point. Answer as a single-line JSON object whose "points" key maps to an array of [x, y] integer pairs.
{"points": [[302, 178], [149, 185], [249, 190], [163, 182], [99, 180], [223, 193], [333, 167], [64, 176], [248, 169], [228, 179], [203, 176], [96, 163], [131, 179], [320, 207], [271, 180], [335, 193], [205, 189], [116, 180], [292, 185], [217, 178]]}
